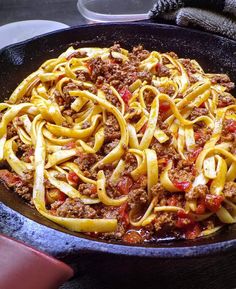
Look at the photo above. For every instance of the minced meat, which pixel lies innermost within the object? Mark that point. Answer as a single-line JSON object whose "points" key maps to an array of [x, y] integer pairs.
{"points": [[74, 208]]}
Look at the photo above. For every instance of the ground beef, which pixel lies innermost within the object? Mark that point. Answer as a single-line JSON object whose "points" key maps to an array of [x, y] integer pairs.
{"points": [[137, 197], [21, 187], [157, 190], [162, 70], [115, 47], [141, 182], [48, 185], [109, 212], [163, 126], [190, 69], [112, 129], [24, 191], [198, 111], [111, 97], [82, 75], [188, 65], [197, 192], [107, 168], [169, 90], [139, 53], [144, 76], [88, 190], [224, 80], [164, 221], [165, 150], [227, 137], [85, 161], [130, 163], [25, 152], [230, 190], [11, 131], [25, 98], [117, 73], [226, 100], [77, 54], [181, 175], [184, 171], [108, 147], [172, 54], [192, 78], [74, 208], [202, 134], [85, 125], [60, 176], [186, 165], [70, 86], [166, 198]]}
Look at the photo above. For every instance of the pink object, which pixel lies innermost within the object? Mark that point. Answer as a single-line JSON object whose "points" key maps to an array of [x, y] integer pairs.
{"points": [[23, 267]]}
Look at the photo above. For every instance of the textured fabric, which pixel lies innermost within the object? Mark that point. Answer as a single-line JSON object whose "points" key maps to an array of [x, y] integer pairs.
{"points": [[182, 12], [230, 6]]}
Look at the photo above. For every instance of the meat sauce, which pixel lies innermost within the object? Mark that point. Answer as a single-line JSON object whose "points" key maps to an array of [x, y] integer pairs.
{"points": [[166, 225]]}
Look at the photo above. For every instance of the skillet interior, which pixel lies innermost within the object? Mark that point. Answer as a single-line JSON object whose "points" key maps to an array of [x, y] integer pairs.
{"points": [[214, 53]]}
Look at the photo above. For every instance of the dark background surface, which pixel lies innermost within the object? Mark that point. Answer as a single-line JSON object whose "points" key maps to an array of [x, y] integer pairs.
{"points": [[64, 11], [98, 272]]}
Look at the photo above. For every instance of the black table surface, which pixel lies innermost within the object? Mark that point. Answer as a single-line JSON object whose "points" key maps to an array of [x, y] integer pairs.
{"points": [[211, 273]]}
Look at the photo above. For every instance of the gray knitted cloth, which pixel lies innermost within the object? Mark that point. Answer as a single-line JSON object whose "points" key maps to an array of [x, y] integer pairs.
{"points": [[217, 16]]}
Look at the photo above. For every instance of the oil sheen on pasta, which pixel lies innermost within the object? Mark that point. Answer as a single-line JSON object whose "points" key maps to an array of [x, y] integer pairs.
{"points": [[122, 145]]}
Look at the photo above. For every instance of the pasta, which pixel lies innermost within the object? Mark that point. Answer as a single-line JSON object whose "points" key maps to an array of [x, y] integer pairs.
{"points": [[125, 145]]}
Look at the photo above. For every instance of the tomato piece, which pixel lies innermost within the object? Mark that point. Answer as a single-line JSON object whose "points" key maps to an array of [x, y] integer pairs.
{"points": [[202, 105], [209, 182], [90, 69], [125, 95], [201, 207], [93, 189], [183, 220], [183, 186], [164, 106], [53, 195], [124, 185], [194, 154], [73, 178], [231, 126], [158, 66], [11, 179], [61, 196], [132, 237], [183, 214], [197, 135], [193, 232], [61, 76], [213, 202]]}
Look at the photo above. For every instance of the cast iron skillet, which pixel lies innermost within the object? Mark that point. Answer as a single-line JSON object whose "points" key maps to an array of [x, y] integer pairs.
{"points": [[214, 53]]}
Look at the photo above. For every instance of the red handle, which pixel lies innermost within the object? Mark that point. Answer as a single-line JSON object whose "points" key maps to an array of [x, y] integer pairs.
{"points": [[23, 267]]}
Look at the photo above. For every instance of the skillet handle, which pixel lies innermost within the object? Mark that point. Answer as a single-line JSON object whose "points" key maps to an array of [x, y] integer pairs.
{"points": [[23, 267]]}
